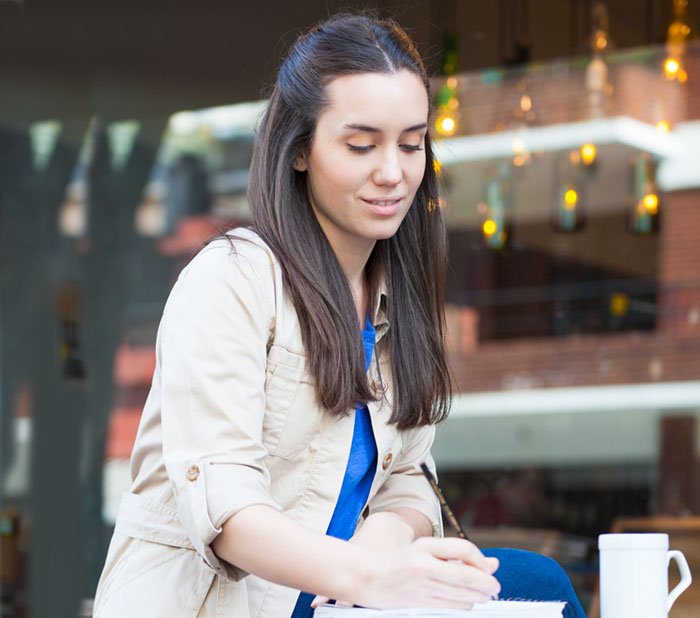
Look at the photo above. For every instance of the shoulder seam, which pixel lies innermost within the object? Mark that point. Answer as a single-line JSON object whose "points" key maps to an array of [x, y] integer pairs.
{"points": [[266, 297]]}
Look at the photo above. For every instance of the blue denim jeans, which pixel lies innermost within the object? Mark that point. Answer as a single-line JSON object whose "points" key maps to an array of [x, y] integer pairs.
{"points": [[526, 575]]}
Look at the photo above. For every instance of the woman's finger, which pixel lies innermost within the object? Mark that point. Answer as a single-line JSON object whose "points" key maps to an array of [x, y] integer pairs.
{"points": [[460, 575], [459, 549], [457, 597], [319, 600]]}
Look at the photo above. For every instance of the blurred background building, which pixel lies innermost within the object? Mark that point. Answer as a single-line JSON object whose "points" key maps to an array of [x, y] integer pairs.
{"points": [[569, 158]]}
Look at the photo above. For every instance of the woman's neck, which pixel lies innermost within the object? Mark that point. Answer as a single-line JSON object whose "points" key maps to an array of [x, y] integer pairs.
{"points": [[353, 260]]}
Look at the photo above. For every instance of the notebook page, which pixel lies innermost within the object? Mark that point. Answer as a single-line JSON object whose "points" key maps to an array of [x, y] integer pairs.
{"points": [[491, 609]]}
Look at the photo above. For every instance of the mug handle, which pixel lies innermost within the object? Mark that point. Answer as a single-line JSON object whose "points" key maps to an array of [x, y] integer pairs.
{"points": [[686, 577]]}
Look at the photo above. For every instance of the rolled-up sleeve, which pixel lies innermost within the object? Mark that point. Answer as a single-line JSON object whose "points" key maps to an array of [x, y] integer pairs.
{"points": [[212, 357], [406, 486]]}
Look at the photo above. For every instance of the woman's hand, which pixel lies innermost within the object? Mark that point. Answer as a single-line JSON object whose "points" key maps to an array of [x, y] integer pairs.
{"points": [[462, 583], [430, 573]]}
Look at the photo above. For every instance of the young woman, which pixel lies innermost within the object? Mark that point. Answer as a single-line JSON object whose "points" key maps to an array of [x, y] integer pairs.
{"points": [[301, 368]]}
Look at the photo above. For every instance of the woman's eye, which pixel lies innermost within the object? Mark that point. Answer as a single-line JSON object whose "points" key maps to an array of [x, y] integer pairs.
{"points": [[365, 149], [361, 149]]}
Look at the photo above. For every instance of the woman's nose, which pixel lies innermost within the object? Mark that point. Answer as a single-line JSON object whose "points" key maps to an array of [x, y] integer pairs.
{"points": [[388, 170]]}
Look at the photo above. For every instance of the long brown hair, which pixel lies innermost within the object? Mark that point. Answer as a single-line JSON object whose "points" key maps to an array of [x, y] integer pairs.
{"points": [[412, 262]]}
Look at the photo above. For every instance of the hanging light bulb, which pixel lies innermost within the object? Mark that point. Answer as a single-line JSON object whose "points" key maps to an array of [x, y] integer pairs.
{"points": [[524, 113], [521, 154], [496, 210], [671, 67], [645, 207], [588, 154], [568, 213], [680, 31], [446, 123], [597, 84], [524, 117], [570, 182], [619, 304], [600, 37], [448, 116], [651, 203]]}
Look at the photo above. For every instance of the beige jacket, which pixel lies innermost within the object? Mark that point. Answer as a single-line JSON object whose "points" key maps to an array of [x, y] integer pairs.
{"points": [[232, 420]]}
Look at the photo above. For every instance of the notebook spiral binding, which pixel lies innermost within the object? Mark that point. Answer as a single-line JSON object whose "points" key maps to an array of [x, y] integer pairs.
{"points": [[525, 600]]}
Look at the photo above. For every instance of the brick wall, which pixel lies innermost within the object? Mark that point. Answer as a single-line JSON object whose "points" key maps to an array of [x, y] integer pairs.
{"points": [[671, 352], [680, 264], [637, 88]]}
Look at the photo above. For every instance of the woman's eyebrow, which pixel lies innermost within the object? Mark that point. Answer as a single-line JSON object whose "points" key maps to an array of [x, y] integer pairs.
{"points": [[416, 127], [367, 129]]}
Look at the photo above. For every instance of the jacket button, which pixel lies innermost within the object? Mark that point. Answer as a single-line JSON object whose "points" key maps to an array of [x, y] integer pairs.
{"points": [[387, 460], [192, 473]]}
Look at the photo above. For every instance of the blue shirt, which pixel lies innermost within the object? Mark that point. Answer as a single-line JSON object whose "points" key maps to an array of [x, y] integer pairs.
{"points": [[359, 473]]}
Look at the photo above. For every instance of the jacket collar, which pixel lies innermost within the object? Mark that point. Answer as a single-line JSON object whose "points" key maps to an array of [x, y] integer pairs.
{"points": [[379, 317]]}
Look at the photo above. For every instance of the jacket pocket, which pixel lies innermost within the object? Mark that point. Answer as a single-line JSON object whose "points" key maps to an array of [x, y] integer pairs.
{"points": [[291, 412], [157, 580]]}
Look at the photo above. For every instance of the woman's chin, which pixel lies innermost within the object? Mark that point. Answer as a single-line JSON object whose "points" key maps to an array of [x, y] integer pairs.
{"points": [[385, 230]]}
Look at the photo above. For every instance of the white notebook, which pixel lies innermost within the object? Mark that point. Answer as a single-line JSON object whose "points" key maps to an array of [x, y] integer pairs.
{"points": [[491, 609]]}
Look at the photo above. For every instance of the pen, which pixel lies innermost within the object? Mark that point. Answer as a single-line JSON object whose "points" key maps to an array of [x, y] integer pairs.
{"points": [[446, 510]]}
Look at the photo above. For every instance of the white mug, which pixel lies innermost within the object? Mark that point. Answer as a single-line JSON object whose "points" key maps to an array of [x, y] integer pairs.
{"points": [[634, 575]]}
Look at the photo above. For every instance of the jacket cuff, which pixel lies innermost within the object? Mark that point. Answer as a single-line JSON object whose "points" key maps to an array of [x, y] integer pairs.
{"points": [[213, 492]]}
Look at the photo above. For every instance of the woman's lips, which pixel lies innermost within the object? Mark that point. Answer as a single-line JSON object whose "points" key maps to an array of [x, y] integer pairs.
{"points": [[384, 207]]}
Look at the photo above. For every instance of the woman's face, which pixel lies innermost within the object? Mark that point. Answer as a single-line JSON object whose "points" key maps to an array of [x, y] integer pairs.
{"points": [[367, 157]]}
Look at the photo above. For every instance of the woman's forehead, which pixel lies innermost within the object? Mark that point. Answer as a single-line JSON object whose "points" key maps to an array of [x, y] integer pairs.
{"points": [[381, 100]]}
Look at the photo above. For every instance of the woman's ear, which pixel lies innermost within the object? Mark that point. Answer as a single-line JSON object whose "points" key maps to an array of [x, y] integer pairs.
{"points": [[300, 163]]}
